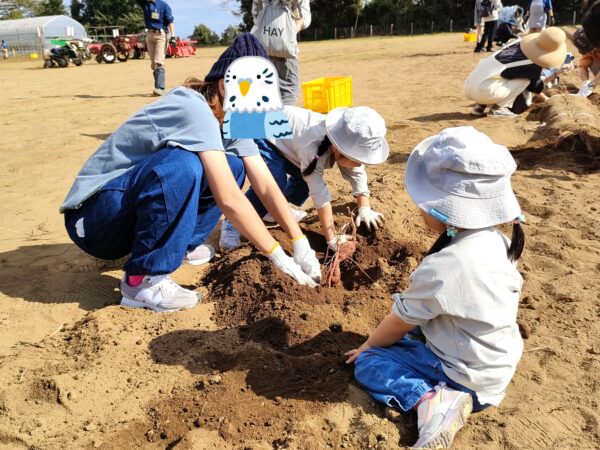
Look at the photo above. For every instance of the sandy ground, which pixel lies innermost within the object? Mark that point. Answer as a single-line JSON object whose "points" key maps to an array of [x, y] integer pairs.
{"points": [[78, 371]]}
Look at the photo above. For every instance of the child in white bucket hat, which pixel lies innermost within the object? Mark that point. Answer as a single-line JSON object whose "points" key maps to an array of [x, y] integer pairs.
{"points": [[451, 343], [351, 137]]}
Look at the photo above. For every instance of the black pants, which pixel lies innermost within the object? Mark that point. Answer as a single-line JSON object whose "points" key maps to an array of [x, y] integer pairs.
{"points": [[489, 30]]}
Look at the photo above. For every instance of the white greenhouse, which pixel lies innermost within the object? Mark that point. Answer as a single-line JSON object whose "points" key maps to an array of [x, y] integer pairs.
{"points": [[25, 36]]}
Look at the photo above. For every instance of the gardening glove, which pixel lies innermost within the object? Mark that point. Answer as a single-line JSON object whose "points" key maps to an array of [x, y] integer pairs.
{"points": [[585, 90], [338, 239], [173, 41], [551, 21], [371, 219], [287, 265], [306, 258]]}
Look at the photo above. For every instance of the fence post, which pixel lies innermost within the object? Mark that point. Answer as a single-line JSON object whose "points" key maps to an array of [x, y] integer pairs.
{"points": [[315, 34], [392, 29], [574, 17], [370, 30], [432, 26], [412, 27], [335, 33], [451, 23]]}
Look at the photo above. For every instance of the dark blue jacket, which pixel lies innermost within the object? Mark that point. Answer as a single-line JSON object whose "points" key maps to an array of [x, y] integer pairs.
{"points": [[165, 16]]}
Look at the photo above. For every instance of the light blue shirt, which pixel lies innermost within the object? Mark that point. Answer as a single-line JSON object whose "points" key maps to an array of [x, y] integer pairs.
{"points": [[181, 118]]}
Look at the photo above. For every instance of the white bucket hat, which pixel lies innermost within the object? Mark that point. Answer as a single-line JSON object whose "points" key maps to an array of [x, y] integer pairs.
{"points": [[359, 134], [461, 178]]}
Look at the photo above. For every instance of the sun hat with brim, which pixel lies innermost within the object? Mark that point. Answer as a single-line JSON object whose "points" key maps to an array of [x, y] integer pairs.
{"points": [[547, 49], [358, 133], [461, 178]]}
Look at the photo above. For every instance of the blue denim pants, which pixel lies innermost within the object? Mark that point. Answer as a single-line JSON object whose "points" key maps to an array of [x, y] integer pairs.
{"points": [[401, 374], [287, 176], [156, 211]]}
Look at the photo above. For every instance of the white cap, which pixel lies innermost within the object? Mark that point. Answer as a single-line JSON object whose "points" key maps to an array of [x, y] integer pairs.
{"points": [[462, 178], [358, 133]]}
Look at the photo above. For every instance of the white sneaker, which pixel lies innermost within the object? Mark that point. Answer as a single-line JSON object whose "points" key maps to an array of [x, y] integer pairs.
{"points": [[502, 111], [297, 213], [478, 110], [230, 238], [158, 293], [442, 416], [200, 255]]}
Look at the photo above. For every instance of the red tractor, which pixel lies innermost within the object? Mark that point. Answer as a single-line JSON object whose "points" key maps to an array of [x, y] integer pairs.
{"points": [[181, 48], [110, 48]]}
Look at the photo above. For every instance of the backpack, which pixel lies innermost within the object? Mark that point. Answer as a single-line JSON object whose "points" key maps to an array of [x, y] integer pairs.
{"points": [[275, 28], [485, 7]]}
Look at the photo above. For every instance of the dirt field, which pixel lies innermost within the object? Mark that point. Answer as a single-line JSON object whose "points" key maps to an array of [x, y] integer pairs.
{"points": [[258, 365]]}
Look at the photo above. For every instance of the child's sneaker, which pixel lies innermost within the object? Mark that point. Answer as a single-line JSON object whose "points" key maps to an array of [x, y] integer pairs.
{"points": [[297, 213], [230, 238], [478, 110], [502, 111], [442, 416], [158, 293], [200, 255]]}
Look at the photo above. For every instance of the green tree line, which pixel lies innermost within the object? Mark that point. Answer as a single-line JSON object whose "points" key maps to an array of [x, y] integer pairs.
{"points": [[359, 14]]}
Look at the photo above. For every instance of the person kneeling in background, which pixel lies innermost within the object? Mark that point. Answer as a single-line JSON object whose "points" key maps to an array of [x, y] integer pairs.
{"points": [[589, 64], [507, 79]]}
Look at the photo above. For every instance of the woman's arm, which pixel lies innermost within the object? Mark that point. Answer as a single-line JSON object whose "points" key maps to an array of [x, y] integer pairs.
{"points": [[326, 219], [233, 202], [270, 195], [390, 330]]}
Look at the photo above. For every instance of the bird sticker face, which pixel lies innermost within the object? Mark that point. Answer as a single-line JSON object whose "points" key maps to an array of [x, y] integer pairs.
{"points": [[253, 106], [252, 84]]}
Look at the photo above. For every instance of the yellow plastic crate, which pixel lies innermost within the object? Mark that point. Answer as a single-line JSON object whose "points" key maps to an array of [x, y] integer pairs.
{"points": [[470, 37], [324, 94]]}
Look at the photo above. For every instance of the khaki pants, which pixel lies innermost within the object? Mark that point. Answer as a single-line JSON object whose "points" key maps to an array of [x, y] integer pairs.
{"points": [[156, 41]]}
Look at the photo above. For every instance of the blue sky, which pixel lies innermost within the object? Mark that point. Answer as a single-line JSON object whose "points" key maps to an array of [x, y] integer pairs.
{"points": [[188, 14]]}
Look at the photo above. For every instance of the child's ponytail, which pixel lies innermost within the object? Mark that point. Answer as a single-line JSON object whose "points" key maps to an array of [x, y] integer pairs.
{"points": [[442, 242], [517, 240], [323, 147]]}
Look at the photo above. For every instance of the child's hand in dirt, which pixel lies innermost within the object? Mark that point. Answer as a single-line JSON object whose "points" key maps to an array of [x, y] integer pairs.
{"points": [[353, 354], [371, 218], [338, 239]]}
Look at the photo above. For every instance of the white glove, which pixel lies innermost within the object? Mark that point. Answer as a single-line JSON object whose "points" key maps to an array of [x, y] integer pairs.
{"points": [[371, 219], [585, 90], [306, 258], [338, 239], [287, 265]]}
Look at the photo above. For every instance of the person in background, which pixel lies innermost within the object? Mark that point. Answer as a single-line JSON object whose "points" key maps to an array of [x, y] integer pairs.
{"points": [[510, 24], [506, 80], [158, 18], [4, 49], [589, 64], [288, 69], [591, 23], [539, 13], [451, 343], [487, 11]]}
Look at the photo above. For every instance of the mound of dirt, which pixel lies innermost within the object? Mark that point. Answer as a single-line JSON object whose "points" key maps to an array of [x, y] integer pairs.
{"points": [[274, 309]]}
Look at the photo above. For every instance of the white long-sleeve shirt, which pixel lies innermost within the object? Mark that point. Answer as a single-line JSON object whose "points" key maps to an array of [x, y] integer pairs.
{"points": [[496, 7], [309, 131], [300, 9]]}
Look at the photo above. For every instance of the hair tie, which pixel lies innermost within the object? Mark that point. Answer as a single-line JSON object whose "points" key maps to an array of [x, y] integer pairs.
{"points": [[519, 220], [451, 231]]}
